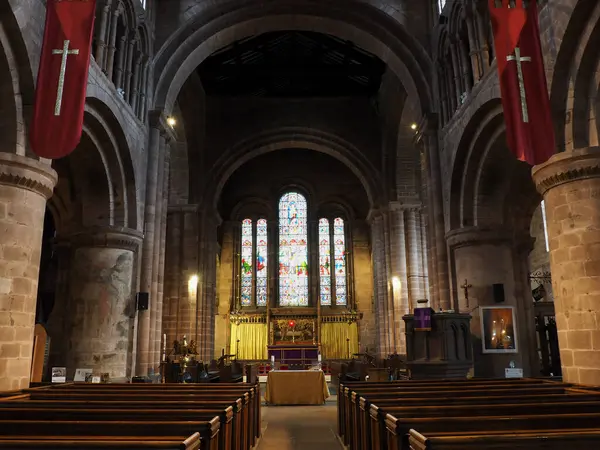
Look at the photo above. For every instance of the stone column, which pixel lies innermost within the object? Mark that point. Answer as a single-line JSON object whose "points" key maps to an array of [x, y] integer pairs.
{"points": [[484, 53], [436, 215], [473, 51], [157, 126], [464, 64], [413, 239], [102, 29], [128, 82], [484, 257], [424, 254], [136, 84], [25, 185], [144, 86], [102, 304], [443, 95], [570, 184], [399, 273], [173, 280], [121, 61], [457, 80], [158, 336], [380, 285], [112, 42]]}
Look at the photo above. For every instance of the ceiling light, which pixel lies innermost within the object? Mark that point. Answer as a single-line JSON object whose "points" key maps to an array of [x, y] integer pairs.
{"points": [[171, 121], [413, 126]]}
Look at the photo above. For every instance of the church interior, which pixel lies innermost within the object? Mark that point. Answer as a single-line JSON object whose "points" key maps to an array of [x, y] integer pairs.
{"points": [[292, 186]]}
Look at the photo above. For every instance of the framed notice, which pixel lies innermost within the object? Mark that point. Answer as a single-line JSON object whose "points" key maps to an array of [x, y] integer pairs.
{"points": [[498, 329], [59, 374], [83, 375]]}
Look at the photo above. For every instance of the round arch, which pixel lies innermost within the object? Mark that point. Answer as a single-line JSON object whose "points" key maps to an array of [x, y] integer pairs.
{"points": [[367, 27], [292, 138]]}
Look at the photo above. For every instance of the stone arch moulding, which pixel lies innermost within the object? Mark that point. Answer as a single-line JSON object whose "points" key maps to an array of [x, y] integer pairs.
{"points": [[573, 88], [101, 118], [367, 27], [18, 70], [468, 160], [288, 138]]}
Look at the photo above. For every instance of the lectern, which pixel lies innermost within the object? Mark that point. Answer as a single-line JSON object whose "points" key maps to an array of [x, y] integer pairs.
{"points": [[438, 345]]}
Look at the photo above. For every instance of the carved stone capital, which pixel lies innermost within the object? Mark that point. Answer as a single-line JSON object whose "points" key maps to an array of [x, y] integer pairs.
{"points": [[158, 119], [405, 206], [106, 237], [27, 173], [567, 167], [471, 236]]}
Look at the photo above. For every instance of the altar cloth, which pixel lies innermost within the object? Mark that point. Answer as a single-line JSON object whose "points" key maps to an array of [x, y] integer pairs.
{"points": [[296, 387]]}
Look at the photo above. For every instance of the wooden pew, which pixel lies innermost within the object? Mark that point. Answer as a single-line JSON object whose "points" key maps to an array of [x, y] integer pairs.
{"points": [[352, 406], [515, 440], [87, 443], [398, 428], [244, 418], [142, 396], [153, 430]]}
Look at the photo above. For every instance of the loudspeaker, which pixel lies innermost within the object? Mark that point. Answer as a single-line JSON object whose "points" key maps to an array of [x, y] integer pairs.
{"points": [[498, 291], [142, 300]]}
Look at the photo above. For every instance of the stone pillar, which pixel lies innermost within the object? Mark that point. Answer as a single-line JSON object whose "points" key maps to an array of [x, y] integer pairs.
{"points": [[436, 216], [158, 336], [112, 42], [484, 52], [121, 61], [457, 80], [144, 317], [464, 64], [102, 29], [136, 84], [102, 302], [380, 285], [399, 274], [473, 50], [415, 272], [143, 88], [128, 82], [570, 184], [173, 280], [25, 185], [484, 257]]}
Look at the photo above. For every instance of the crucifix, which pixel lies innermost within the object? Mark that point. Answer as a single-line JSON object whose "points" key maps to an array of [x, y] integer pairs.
{"points": [[518, 59], [466, 287], [65, 52]]}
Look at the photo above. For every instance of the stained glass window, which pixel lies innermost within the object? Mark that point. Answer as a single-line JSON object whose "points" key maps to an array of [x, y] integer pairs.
{"points": [[246, 266], [261, 262], [293, 250], [339, 239], [324, 262]]}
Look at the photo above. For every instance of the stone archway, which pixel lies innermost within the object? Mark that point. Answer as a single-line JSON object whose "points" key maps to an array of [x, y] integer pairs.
{"points": [[367, 27]]}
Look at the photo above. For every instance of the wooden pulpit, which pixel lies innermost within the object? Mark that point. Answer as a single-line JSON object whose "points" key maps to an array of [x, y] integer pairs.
{"points": [[438, 345]]}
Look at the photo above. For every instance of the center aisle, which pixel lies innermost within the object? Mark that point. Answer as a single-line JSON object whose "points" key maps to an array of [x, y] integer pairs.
{"points": [[300, 427]]}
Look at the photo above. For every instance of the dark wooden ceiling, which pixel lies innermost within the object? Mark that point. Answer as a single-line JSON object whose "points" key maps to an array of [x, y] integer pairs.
{"points": [[292, 64]]}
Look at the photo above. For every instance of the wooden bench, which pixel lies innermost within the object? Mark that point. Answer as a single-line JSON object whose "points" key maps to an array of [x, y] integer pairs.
{"points": [[525, 440], [93, 443], [11, 430], [398, 428], [140, 402], [234, 429]]}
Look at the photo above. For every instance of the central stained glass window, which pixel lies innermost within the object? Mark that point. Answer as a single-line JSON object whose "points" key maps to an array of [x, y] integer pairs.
{"points": [[293, 250]]}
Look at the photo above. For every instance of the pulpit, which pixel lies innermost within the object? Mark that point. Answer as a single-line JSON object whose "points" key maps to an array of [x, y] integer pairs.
{"points": [[438, 345]]}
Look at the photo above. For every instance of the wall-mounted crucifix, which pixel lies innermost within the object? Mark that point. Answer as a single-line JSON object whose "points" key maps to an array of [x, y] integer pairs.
{"points": [[466, 287]]}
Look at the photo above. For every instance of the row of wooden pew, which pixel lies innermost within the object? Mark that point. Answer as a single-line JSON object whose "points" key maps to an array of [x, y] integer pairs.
{"points": [[468, 414], [223, 416]]}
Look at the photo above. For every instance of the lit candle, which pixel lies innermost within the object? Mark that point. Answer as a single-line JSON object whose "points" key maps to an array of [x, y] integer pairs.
{"points": [[273, 359], [319, 357]]}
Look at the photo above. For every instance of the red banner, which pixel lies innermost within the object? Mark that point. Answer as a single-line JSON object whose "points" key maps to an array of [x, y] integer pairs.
{"points": [[529, 128], [62, 77]]}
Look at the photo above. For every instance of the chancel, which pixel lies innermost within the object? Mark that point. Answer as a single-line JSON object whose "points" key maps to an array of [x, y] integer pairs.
{"points": [[343, 222]]}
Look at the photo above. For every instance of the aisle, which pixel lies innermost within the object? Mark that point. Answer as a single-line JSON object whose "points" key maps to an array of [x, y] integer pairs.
{"points": [[299, 428]]}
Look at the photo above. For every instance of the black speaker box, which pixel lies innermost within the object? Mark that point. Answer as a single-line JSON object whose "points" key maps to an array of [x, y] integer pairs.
{"points": [[498, 291], [142, 300]]}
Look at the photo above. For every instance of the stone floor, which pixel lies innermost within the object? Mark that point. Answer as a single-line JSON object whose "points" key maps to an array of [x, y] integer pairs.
{"points": [[300, 427]]}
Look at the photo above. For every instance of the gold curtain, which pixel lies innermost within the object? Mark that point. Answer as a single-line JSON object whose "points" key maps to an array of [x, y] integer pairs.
{"points": [[334, 344], [253, 339]]}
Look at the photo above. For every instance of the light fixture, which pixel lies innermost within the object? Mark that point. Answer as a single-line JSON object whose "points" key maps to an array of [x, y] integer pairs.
{"points": [[413, 126], [193, 283], [171, 121]]}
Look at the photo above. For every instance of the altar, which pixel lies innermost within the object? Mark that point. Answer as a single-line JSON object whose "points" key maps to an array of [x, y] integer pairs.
{"points": [[294, 355], [296, 387]]}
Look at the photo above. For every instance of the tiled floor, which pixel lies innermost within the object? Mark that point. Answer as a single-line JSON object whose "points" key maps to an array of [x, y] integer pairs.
{"points": [[300, 427]]}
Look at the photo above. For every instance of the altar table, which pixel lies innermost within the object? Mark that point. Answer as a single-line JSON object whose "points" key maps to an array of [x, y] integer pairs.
{"points": [[296, 387]]}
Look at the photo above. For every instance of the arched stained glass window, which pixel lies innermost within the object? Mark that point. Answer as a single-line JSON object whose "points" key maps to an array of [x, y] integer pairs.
{"points": [[246, 266], [293, 250], [324, 262], [261, 262], [339, 240]]}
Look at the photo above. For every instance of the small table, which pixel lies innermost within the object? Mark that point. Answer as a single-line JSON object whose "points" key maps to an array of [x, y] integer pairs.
{"points": [[296, 387]]}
